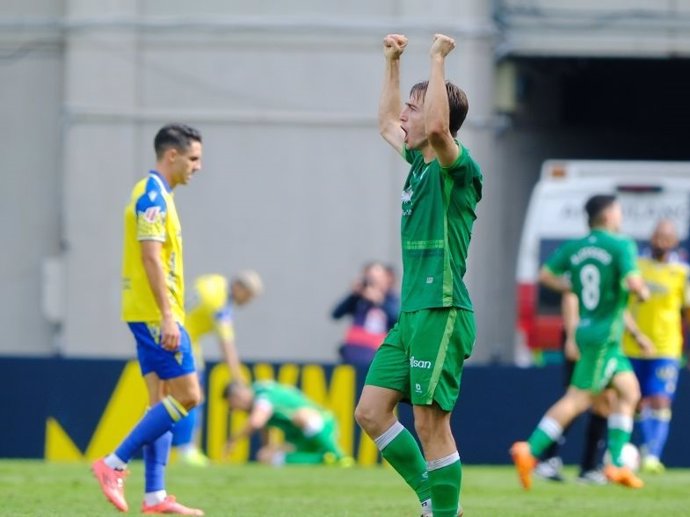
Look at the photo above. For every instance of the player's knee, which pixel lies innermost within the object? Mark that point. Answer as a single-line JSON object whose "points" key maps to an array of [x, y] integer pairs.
{"points": [[190, 398], [424, 429], [368, 417], [659, 402]]}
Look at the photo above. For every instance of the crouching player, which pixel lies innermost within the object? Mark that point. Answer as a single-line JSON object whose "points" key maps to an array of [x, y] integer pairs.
{"points": [[311, 432]]}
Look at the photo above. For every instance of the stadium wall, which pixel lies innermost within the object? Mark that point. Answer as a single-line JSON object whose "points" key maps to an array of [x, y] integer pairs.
{"points": [[77, 409]]}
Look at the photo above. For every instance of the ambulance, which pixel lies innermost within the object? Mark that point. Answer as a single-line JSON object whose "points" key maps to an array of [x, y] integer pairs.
{"points": [[647, 190]]}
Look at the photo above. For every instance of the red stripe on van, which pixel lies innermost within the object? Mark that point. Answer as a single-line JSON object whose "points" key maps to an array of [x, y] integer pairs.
{"points": [[541, 331]]}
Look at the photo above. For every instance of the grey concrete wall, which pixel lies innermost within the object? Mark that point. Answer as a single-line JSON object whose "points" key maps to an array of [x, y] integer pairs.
{"points": [[296, 181], [31, 144]]}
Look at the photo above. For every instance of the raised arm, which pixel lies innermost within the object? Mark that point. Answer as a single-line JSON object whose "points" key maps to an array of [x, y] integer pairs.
{"points": [[436, 108], [390, 104]]}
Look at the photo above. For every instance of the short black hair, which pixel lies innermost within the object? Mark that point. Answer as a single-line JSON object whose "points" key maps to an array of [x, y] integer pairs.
{"points": [[178, 136], [231, 388], [596, 205], [457, 103]]}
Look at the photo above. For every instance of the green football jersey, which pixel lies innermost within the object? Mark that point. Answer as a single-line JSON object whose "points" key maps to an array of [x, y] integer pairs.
{"points": [[284, 400], [438, 211], [598, 265]]}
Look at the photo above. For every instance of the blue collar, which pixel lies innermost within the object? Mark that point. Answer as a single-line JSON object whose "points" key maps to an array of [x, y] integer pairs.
{"points": [[163, 180]]}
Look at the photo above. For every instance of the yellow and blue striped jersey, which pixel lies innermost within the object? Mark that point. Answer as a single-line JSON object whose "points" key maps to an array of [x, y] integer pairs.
{"points": [[210, 310], [660, 317], [151, 215]]}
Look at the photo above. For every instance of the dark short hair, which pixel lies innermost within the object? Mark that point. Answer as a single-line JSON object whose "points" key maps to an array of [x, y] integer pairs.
{"points": [[596, 205], [178, 136], [457, 102], [231, 389]]}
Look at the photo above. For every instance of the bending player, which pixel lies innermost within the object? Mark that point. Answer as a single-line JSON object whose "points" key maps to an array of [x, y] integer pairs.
{"points": [[212, 311], [311, 432], [600, 269]]}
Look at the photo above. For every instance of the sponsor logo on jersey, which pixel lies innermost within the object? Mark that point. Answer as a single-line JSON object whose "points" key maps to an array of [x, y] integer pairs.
{"points": [[152, 214], [415, 363], [406, 197]]}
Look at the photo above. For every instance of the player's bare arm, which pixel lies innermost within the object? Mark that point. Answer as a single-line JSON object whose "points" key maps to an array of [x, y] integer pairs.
{"points": [[436, 108], [642, 340], [390, 104], [636, 285], [571, 318], [151, 259], [557, 283], [232, 358]]}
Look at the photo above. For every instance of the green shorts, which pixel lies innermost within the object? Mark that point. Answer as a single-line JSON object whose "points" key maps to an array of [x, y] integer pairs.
{"points": [[324, 441], [598, 365], [423, 355]]}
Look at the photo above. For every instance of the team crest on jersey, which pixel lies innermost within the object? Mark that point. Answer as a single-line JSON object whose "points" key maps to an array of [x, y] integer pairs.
{"points": [[153, 195], [406, 196]]}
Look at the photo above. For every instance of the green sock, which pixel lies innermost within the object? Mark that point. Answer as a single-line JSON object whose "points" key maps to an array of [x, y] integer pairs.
{"points": [[400, 449], [445, 477], [547, 432], [327, 440], [303, 458], [620, 429]]}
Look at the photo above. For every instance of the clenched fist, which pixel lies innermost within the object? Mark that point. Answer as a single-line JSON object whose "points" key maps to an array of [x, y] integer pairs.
{"points": [[442, 45], [394, 45]]}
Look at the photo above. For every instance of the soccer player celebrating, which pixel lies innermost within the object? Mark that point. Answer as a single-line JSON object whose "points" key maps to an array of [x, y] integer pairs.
{"points": [[152, 306], [600, 269], [311, 432], [211, 311], [659, 322], [422, 357]]}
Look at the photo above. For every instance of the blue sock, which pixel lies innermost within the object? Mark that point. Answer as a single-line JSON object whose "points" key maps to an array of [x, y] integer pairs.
{"points": [[157, 420], [183, 432], [155, 459], [661, 422], [647, 427]]}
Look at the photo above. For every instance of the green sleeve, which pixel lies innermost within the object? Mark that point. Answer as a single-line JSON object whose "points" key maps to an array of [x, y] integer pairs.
{"points": [[559, 261], [628, 259]]}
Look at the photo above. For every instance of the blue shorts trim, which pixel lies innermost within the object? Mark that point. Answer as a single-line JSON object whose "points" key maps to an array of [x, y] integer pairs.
{"points": [[153, 358], [657, 376]]}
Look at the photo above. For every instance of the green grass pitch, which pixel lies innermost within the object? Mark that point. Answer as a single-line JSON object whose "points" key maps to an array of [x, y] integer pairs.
{"points": [[34, 488]]}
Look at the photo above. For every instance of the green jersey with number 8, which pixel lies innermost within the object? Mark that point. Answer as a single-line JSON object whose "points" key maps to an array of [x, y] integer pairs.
{"points": [[598, 266]]}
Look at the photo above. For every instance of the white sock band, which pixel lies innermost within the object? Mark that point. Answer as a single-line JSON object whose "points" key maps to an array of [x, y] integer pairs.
{"points": [[153, 498], [552, 428], [621, 421], [313, 426], [389, 435], [442, 462]]}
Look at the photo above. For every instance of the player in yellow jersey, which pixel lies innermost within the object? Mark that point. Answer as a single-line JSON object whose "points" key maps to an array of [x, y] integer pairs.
{"points": [[659, 322], [152, 306], [211, 309]]}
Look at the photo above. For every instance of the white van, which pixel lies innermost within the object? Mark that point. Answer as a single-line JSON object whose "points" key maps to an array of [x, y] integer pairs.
{"points": [[647, 191]]}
